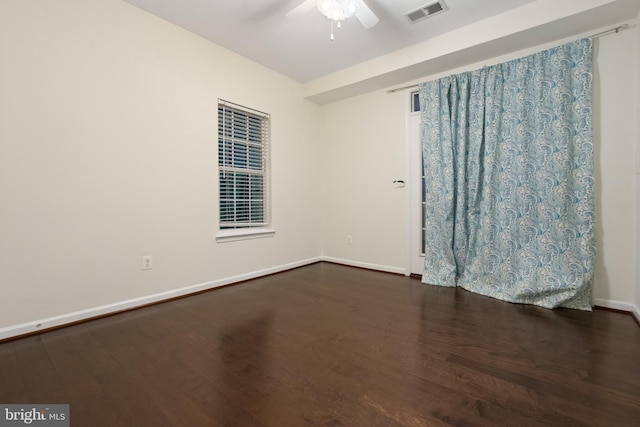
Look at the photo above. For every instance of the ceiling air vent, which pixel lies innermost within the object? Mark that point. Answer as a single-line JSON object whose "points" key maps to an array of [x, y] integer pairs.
{"points": [[425, 12]]}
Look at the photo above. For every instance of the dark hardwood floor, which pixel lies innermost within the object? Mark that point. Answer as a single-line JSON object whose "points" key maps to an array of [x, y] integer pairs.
{"points": [[330, 345]]}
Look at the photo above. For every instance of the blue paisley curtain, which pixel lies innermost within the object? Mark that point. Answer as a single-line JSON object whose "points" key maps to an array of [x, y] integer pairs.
{"points": [[508, 161]]}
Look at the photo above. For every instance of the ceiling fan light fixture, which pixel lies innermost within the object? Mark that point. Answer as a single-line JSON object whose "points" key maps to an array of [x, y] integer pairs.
{"points": [[338, 10]]}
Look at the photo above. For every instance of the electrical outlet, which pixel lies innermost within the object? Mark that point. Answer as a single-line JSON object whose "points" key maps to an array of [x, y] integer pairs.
{"points": [[349, 239], [147, 262]]}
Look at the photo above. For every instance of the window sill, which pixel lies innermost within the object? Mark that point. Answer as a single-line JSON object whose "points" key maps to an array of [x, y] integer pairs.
{"points": [[244, 234]]}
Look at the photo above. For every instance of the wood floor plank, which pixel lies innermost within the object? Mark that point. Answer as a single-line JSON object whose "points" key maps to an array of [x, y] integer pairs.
{"points": [[41, 381], [12, 388], [330, 345], [130, 349]]}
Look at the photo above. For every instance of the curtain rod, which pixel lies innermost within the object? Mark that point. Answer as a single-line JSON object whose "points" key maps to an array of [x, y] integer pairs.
{"points": [[615, 30]]}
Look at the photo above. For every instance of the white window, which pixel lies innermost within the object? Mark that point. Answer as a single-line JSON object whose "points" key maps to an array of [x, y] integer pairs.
{"points": [[243, 163], [415, 102]]}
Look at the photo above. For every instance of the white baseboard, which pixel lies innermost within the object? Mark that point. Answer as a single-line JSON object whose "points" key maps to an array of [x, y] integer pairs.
{"points": [[366, 265], [65, 319], [619, 305]]}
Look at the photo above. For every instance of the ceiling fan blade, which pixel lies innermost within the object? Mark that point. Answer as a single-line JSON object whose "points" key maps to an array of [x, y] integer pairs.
{"points": [[365, 15], [302, 8]]}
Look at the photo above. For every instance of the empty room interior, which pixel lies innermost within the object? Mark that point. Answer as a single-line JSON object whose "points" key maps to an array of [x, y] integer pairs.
{"points": [[269, 213]]}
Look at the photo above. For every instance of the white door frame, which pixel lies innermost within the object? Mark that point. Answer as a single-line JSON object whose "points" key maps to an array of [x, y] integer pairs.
{"points": [[414, 189]]}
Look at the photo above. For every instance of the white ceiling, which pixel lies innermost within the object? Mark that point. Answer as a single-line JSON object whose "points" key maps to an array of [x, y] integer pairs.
{"points": [[301, 49]]}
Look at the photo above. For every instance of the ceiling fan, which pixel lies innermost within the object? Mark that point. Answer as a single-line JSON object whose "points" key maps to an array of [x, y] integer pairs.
{"points": [[338, 10]]}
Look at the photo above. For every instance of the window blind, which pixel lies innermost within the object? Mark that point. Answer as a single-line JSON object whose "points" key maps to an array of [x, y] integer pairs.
{"points": [[243, 147]]}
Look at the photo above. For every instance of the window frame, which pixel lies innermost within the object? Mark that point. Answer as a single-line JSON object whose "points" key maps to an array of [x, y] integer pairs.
{"points": [[237, 157]]}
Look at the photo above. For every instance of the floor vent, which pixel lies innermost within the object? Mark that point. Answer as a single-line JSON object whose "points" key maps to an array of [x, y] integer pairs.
{"points": [[427, 11]]}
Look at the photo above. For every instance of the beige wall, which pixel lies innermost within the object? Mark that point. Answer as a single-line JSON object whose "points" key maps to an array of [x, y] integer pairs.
{"points": [[372, 150], [108, 151], [637, 181], [615, 135]]}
